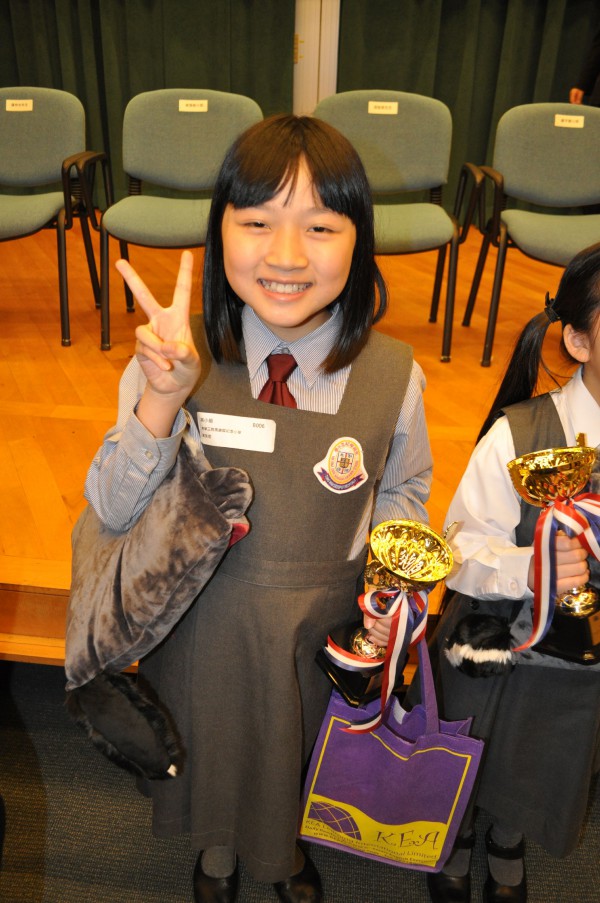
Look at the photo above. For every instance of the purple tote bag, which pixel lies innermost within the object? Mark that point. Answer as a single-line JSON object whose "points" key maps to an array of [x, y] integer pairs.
{"points": [[397, 794]]}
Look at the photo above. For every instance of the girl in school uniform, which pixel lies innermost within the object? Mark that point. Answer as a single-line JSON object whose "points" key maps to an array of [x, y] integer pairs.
{"points": [[540, 714], [337, 444]]}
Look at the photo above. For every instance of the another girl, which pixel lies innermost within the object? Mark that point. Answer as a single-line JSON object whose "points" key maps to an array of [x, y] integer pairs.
{"points": [[541, 720], [289, 268]]}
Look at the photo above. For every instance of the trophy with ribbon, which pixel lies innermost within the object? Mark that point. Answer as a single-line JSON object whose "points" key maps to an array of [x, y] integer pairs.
{"points": [[408, 560], [565, 625]]}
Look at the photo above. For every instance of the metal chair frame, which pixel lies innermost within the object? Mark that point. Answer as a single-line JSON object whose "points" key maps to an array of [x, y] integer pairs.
{"points": [[495, 233]]}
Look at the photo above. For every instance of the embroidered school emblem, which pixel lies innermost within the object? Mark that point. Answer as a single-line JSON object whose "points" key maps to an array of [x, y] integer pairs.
{"points": [[342, 469]]}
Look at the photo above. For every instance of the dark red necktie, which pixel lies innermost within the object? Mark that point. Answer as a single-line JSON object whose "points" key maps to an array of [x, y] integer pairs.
{"points": [[275, 390]]}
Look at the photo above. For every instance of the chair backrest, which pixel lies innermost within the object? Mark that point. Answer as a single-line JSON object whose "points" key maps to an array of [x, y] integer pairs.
{"points": [[177, 138], [39, 128], [549, 154], [403, 139]]}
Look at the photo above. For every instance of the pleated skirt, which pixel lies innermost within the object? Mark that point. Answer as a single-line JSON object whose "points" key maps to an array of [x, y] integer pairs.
{"points": [[239, 678], [541, 727]]}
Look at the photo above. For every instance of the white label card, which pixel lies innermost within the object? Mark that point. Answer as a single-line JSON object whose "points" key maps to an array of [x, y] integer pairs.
{"points": [[383, 107], [562, 121], [19, 106], [229, 431], [193, 106]]}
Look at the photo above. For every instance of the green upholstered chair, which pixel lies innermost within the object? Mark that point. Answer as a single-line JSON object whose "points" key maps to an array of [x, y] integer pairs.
{"points": [[173, 139], [546, 155], [404, 142], [42, 161]]}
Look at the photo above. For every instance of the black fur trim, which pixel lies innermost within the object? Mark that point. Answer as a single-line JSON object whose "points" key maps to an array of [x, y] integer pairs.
{"points": [[480, 646], [125, 725]]}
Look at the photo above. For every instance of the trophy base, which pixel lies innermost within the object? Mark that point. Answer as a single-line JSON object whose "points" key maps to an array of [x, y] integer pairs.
{"points": [[580, 602], [575, 639], [356, 688]]}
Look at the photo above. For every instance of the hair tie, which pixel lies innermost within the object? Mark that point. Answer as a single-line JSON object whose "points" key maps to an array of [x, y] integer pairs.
{"points": [[550, 312]]}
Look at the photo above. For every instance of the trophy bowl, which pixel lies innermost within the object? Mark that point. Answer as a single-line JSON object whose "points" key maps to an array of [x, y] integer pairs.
{"points": [[542, 478], [414, 555], [406, 556]]}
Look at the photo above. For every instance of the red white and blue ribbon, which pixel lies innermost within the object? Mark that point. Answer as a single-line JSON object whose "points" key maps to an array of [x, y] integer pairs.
{"points": [[579, 517], [409, 621]]}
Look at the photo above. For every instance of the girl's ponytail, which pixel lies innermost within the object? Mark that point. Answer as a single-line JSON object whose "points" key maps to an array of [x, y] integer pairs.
{"points": [[577, 303], [521, 376]]}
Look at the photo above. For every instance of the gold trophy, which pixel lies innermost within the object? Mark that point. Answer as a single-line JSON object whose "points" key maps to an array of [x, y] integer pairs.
{"points": [[406, 556], [542, 478]]}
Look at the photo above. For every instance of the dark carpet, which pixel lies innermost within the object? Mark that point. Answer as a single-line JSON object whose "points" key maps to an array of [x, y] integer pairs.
{"points": [[77, 831]]}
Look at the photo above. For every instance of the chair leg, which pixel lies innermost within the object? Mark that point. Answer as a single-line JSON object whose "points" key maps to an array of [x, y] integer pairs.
{"points": [[485, 245], [450, 294], [129, 303], [91, 260], [63, 285], [104, 291], [495, 302], [437, 285]]}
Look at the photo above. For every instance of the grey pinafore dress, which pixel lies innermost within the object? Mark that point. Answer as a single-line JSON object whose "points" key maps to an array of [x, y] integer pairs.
{"points": [[541, 724], [238, 673]]}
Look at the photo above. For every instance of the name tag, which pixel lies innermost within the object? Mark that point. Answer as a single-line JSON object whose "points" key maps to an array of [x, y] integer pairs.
{"points": [[229, 431], [383, 107], [568, 122], [19, 106], [193, 106]]}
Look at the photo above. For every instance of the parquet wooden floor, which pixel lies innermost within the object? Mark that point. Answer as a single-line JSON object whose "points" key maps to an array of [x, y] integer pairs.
{"points": [[56, 403]]}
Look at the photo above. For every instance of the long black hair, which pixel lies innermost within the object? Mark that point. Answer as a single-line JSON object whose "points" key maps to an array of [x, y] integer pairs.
{"points": [[577, 304], [265, 159]]}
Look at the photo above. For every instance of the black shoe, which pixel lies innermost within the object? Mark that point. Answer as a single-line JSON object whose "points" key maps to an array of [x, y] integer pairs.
{"points": [[214, 890], [305, 887], [448, 888], [504, 893]]}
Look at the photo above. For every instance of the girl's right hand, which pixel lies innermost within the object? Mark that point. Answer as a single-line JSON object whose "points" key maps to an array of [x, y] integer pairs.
{"points": [[571, 564], [165, 348]]}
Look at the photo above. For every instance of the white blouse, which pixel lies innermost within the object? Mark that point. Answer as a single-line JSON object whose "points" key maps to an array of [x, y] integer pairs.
{"points": [[486, 507]]}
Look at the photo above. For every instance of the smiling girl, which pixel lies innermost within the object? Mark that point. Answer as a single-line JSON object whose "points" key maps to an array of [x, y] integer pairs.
{"points": [[289, 270]]}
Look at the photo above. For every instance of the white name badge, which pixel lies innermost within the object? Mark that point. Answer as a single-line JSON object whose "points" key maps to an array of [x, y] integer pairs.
{"points": [[383, 107], [229, 431], [193, 106], [561, 121], [19, 106]]}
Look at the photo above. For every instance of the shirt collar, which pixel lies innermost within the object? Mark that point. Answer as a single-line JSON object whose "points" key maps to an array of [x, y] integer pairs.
{"points": [[309, 351]]}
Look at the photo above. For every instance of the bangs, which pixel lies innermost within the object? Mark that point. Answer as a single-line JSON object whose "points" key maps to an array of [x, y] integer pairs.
{"points": [[259, 180], [257, 171]]}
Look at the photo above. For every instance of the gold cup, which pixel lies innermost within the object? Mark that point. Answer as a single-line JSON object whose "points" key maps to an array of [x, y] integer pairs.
{"points": [[406, 556], [542, 478]]}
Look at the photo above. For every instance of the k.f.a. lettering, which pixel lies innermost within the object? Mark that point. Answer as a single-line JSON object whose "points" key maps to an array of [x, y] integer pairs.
{"points": [[403, 839]]}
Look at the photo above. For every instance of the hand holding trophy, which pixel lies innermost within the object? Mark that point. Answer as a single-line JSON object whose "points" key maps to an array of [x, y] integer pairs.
{"points": [[567, 625], [408, 560]]}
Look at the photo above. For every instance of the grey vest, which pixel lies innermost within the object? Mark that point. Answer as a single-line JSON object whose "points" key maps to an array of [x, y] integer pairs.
{"points": [[534, 425], [294, 519]]}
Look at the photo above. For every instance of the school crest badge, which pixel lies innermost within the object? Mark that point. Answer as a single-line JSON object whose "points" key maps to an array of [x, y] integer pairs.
{"points": [[342, 469]]}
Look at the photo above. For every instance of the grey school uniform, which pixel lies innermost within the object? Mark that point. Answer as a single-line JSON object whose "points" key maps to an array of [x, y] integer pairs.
{"points": [[541, 722], [238, 673]]}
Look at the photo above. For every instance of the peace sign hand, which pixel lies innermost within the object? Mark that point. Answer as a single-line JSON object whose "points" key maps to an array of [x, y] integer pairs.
{"points": [[165, 348]]}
